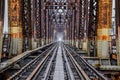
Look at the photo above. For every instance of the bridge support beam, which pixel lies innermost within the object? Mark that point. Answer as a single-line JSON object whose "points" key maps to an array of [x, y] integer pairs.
{"points": [[27, 28], [104, 28], [84, 25], [42, 22], [92, 27], [15, 25], [118, 29], [2, 2]]}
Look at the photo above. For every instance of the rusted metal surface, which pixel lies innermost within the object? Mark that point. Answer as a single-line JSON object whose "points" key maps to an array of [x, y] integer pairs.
{"points": [[15, 26], [104, 28]]}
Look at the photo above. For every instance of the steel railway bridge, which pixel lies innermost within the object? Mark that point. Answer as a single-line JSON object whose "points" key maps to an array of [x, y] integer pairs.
{"points": [[59, 39]]}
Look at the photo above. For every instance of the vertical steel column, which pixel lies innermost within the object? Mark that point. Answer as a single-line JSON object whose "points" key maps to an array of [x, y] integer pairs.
{"points": [[34, 6], [73, 26], [42, 21], [74, 22], [117, 3], [51, 32], [68, 30], [77, 22], [15, 25], [38, 23], [70, 26], [104, 28], [84, 26], [47, 24], [27, 29], [80, 34], [50, 24], [45, 27], [81, 23], [2, 4], [49, 4], [92, 28]]}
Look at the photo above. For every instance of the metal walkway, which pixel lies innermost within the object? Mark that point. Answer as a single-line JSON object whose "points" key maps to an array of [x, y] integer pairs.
{"points": [[59, 70]]}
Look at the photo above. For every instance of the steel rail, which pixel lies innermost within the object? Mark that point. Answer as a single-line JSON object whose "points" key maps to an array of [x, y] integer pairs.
{"points": [[14, 60], [48, 69], [40, 64], [29, 64], [94, 71], [67, 65], [78, 67]]}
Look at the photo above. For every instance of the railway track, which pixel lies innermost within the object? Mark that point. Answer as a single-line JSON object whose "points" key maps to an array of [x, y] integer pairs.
{"points": [[87, 71], [27, 72], [49, 72], [43, 66], [45, 71]]}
